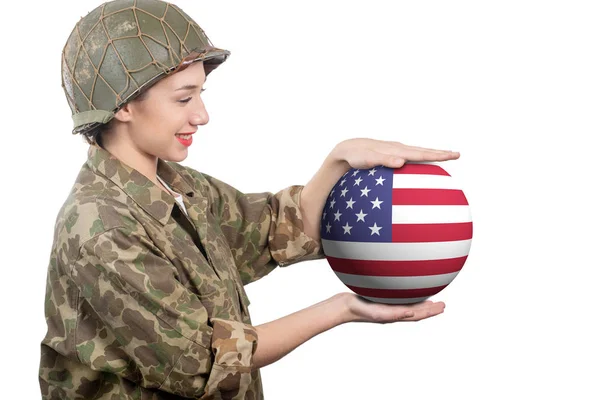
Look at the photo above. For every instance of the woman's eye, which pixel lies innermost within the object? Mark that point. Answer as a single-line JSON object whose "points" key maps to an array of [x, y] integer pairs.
{"points": [[189, 98]]}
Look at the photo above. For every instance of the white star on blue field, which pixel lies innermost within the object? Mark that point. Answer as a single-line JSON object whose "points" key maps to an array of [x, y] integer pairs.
{"points": [[359, 208]]}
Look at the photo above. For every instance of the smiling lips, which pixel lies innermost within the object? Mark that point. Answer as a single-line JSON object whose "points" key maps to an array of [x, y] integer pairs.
{"points": [[185, 138]]}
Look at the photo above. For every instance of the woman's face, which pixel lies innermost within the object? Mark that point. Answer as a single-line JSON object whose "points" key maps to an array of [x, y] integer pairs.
{"points": [[171, 107]]}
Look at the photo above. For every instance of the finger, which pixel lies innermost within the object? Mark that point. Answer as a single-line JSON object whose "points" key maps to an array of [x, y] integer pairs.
{"points": [[398, 160], [402, 145], [419, 307], [425, 155], [398, 157], [421, 304], [403, 311], [434, 150], [403, 150], [427, 312], [424, 305], [451, 154]]}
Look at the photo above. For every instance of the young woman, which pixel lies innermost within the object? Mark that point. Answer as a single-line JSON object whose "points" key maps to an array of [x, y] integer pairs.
{"points": [[145, 294]]}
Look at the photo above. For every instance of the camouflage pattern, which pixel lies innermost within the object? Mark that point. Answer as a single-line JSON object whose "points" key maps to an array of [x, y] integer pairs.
{"points": [[144, 302]]}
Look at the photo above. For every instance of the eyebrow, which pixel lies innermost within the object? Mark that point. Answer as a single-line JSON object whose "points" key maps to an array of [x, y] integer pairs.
{"points": [[189, 87]]}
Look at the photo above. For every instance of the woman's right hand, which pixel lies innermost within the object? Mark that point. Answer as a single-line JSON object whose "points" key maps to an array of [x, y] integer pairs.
{"points": [[362, 310]]}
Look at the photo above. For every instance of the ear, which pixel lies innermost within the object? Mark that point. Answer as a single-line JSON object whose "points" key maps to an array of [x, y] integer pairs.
{"points": [[125, 113]]}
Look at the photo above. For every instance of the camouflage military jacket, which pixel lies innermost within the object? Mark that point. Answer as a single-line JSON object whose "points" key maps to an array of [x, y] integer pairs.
{"points": [[144, 302]]}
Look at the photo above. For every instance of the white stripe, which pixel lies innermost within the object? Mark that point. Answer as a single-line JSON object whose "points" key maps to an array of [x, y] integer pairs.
{"points": [[378, 251], [409, 300], [423, 181], [396, 282], [430, 214]]}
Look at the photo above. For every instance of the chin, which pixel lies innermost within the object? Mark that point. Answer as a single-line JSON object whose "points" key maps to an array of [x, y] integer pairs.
{"points": [[179, 156]]}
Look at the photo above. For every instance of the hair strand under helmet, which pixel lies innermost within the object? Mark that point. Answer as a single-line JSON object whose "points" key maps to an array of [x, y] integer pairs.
{"points": [[122, 47]]}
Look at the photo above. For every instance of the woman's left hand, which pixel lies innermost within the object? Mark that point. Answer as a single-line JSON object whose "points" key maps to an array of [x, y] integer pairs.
{"points": [[359, 153], [363, 153]]}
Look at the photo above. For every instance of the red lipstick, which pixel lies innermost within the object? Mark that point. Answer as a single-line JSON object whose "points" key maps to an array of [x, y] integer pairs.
{"points": [[185, 142]]}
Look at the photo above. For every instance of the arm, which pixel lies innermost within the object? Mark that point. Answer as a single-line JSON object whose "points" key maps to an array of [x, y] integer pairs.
{"points": [[263, 230], [314, 194], [277, 338]]}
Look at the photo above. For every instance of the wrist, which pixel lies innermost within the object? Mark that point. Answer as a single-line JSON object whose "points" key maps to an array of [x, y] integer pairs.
{"points": [[336, 159], [344, 305]]}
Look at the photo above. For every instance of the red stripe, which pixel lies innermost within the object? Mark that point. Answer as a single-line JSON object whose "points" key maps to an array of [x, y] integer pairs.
{"points": [[410, 233], [422, 169], [397, 268], [428, 197], [396, 293]]}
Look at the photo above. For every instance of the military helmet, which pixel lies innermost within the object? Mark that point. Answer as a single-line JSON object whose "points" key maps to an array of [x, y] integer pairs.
{"points": [[122, 47]]}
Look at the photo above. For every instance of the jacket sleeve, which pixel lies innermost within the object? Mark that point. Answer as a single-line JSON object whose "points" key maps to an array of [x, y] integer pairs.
{"points": [[143, 324], [263, 229]]}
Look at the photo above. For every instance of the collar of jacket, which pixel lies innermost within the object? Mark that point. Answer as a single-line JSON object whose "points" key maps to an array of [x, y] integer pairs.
{"points": [[137, 186]]}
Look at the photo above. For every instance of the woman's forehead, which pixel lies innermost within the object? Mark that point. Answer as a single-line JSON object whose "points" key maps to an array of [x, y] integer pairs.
{"points": [[193, 75]]}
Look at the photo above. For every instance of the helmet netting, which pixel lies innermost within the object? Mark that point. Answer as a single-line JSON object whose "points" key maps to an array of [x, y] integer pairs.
{"points": [[123, 46]]}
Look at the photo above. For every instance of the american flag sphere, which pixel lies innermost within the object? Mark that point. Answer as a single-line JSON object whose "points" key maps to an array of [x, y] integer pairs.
{"points": [[396, 235]]}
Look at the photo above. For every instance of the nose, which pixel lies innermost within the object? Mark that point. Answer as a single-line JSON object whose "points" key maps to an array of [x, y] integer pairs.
{"points": [[199, 115]]}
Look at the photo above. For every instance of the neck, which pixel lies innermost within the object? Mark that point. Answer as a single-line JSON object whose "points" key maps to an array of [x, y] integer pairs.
{"points": [[144, 163]]}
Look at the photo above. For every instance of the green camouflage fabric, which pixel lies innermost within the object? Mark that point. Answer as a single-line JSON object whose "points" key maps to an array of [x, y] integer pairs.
{"points": [[144, 302]]}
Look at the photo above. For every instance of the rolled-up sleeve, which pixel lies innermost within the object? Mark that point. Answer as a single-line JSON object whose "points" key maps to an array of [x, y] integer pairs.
{"points": [[263, 230], [233, 345], [141, 323]]}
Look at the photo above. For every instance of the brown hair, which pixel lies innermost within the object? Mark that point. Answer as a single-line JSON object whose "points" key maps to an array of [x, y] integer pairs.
{"points": [[94, 136]]}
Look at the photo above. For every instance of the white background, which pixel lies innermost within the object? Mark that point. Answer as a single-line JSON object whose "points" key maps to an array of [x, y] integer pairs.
{"points": [[513, 85]]}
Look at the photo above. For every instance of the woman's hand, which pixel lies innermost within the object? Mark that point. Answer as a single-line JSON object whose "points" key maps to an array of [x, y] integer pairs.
{"points": [[363, 153], [358, 309]]}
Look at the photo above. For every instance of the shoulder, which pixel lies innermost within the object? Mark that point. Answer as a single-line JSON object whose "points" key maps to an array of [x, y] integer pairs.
{"points": [[94, 206]]}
